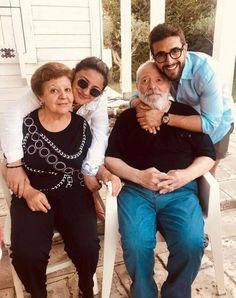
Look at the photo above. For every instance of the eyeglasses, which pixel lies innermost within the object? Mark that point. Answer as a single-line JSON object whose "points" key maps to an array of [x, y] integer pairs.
{"points": [[174, 53], [82, 83]]}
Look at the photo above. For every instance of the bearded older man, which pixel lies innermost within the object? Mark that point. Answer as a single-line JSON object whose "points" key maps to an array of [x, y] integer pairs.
{"points": [[160, 190]]}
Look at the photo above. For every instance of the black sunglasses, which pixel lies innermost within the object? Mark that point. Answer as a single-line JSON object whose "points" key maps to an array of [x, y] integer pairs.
{"points": [[82, 83]]}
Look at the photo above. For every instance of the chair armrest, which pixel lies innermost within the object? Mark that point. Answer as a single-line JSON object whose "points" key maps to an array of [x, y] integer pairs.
{"points": [[209, 194]]}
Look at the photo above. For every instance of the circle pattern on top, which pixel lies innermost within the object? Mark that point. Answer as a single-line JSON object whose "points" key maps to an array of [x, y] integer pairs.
{"points": [[41, 143]]}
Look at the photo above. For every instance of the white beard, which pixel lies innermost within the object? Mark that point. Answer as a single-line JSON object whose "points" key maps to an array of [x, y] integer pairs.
{"points": [[155, 100]]}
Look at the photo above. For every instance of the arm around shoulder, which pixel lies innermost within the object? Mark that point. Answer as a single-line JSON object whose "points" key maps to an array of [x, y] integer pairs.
{"points": [[192, 123], [11, 128], [99, 125]]}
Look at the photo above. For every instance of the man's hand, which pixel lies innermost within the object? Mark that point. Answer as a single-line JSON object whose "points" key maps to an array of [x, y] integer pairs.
{"points": [[16, 179], [150, 119], [36, 200], [173, 180], [150, 178], [116, 184], [92, 183]]}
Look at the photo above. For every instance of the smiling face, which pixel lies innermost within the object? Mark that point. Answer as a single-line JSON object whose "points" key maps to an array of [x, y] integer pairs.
{"points": [[152, 86], [94, 81], [172, 68], [57, 96]]}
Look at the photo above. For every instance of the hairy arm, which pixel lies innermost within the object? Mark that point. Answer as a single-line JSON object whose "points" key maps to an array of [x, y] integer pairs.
{"points": [[192, 123]]}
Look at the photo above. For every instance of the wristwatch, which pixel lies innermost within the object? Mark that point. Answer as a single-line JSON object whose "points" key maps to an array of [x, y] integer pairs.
{"points": [[165, 119]]}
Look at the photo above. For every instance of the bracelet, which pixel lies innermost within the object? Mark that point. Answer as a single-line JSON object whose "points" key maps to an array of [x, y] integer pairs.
{"points": [[13, 167]]}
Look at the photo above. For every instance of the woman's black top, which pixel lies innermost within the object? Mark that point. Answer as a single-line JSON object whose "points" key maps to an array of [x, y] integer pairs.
{"points": [[53, 159]]}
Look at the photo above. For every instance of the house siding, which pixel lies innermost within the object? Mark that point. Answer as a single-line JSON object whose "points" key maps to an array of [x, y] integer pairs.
{"points": [[45, 30]]}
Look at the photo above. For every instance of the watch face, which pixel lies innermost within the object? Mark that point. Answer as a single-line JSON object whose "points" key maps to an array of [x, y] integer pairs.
{"points": [[165, 119]]}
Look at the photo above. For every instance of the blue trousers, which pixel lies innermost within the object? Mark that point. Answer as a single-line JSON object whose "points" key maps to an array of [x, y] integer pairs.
{"points": [[178, 216]]}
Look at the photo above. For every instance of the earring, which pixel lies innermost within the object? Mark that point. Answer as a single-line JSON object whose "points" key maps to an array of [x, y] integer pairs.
{"points": [[41, 104]]}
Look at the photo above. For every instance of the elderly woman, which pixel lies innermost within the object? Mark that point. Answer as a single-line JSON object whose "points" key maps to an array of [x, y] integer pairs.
{"points": [[55, 144], [90, 78]]}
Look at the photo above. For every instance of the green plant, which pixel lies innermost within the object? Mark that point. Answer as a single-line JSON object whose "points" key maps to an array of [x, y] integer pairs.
{"points": [[196, 17]]}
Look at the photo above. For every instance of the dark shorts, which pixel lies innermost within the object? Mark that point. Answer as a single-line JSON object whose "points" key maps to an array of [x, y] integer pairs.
{"points": [[222, 146]]}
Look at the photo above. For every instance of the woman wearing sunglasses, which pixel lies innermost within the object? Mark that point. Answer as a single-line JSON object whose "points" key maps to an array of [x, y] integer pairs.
{"points": [[89, 82]]}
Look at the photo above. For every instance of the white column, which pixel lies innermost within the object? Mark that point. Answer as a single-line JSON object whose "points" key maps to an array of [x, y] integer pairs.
{"points": [[224, 47], [126, 79], [95, 14], [157, 12]]}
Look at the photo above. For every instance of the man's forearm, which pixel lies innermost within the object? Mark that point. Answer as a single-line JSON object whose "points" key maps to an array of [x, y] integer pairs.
{"points": [[121, 169], [153, 118], [199, 167], [177, 178], [192, 123]]}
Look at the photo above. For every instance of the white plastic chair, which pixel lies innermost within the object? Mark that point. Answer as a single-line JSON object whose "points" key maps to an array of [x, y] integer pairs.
{"points": [[210, 202], [7, 241]]}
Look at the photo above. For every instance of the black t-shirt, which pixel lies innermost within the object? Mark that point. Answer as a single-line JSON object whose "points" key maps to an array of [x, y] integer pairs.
{"points": [[170, 148], [53, 159]]}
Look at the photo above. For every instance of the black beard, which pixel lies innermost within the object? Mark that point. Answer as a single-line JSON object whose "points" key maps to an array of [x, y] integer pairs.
{"points": [[170, 78]]}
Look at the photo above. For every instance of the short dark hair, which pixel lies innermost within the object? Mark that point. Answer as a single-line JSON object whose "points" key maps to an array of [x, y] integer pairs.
{"points": [[163, 31], [47, 72], [95, 64]]}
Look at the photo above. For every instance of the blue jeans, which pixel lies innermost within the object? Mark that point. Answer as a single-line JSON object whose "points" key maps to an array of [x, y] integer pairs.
{"points": [[178, 216]]}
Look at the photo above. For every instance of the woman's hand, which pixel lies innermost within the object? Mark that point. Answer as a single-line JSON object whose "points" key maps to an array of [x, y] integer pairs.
{"points": [[105, 176], [36, 200], [92, 183], [16, 179]]}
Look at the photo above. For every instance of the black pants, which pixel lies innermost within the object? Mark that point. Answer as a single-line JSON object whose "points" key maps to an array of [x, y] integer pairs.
{"points": [[74, 216]]}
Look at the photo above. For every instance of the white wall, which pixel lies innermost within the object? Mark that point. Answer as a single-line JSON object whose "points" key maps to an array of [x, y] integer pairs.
{"points": [[44, 30], [49, 30]]}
